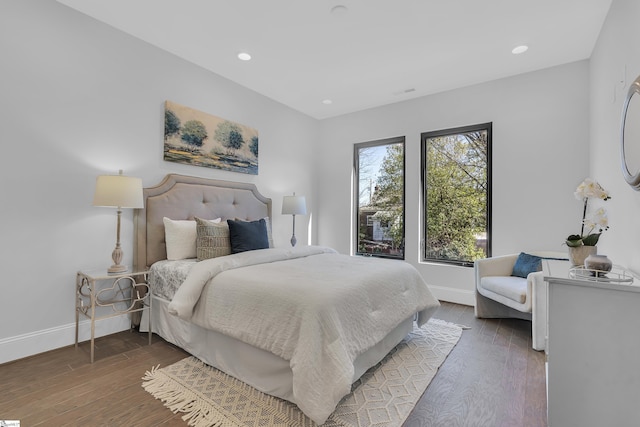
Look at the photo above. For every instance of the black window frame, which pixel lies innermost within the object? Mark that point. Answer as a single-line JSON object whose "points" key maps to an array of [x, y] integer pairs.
{"points": [[356, 196], [424, 136]]}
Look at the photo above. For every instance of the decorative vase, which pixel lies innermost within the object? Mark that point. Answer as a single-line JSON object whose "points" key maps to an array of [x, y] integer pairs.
{"points": [[578, 254], [600, 264]]}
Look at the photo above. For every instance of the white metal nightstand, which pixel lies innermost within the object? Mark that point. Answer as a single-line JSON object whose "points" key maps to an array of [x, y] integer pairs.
{"points": [[125, 295]]}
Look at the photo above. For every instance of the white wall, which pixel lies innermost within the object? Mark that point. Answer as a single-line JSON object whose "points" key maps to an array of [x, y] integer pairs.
{"points": [[614, 64], [79, 99], [540, 155]]}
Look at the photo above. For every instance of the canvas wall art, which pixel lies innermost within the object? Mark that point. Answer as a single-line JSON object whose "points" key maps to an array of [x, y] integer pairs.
{"points": [[201, 139]]}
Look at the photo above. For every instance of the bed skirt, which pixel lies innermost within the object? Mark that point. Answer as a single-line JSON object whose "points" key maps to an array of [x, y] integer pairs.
{"points": [[261, 369]]}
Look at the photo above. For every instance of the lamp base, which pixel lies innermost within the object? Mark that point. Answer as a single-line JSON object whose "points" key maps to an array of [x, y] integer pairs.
{"points": [[117, 253], [117, 268]]}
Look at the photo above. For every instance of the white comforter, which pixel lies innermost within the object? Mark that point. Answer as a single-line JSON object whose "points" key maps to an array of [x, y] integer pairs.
{"points": [[309, 305]]}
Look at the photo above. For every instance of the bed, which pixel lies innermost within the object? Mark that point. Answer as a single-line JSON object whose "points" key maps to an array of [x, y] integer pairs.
{"points": [[305, 337]]}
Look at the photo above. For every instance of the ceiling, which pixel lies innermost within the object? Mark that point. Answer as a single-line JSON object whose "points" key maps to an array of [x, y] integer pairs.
{"points": [[365, 53]]}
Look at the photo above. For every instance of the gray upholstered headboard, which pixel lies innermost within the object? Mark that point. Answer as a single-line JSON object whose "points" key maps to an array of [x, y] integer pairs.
{"points": [[185, 197]]}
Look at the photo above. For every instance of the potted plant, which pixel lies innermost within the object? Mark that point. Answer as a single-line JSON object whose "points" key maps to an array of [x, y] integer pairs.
{"points": [[584, 244]]}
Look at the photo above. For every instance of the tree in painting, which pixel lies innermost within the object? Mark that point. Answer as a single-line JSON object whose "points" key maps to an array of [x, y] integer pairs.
{"points": [[171, 124], [194, 133], [229, 135], [254, 146]]}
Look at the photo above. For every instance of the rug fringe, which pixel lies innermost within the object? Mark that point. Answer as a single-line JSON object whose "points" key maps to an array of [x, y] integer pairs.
{"points": [[196, 412]]}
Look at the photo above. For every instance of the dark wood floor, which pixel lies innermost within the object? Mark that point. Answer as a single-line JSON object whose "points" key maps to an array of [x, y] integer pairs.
{"points": [[492, 378]]}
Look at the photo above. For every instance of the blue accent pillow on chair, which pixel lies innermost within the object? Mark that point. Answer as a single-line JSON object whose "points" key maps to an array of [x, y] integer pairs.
{"points": [[526, 264], [248, 235]]}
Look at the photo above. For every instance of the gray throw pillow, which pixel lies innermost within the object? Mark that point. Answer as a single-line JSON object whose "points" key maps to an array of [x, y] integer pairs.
{"points": [[212, 239]]}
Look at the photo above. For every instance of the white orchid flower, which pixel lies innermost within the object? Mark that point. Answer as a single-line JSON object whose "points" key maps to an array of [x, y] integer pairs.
{"points": [[590, 189], [600, 218]]}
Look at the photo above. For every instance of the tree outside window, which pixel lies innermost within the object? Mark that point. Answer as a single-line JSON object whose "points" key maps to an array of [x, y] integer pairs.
{"points": [[456, 165], [379, 169]]}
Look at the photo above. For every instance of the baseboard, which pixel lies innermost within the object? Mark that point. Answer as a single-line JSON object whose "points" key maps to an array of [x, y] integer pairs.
{"points": [[458, 296], [25, 345]]}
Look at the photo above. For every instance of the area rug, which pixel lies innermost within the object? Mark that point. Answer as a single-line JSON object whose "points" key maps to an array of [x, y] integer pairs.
{"points": [[383, 397]]}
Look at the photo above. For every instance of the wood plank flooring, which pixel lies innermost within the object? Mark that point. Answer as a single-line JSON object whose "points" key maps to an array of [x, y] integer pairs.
{"points": [[491, 378]]}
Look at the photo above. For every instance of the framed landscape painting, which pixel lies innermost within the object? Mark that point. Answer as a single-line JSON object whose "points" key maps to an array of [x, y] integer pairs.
{"points": [[200, 139]]}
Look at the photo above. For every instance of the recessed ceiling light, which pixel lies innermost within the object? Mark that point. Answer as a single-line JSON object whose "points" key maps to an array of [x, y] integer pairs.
{"points": [[244, 56], [520, 49], [327, 102]]}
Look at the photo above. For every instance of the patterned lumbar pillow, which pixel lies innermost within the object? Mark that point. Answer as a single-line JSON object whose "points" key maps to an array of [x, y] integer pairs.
{"points": [[212, 239]]}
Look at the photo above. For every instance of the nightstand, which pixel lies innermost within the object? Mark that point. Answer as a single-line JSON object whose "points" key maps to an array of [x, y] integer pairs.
{"points": [[126, 292]]}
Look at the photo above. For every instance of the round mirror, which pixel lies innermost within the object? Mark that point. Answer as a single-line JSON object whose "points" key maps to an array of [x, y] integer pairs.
{"points": [[630, 136]]}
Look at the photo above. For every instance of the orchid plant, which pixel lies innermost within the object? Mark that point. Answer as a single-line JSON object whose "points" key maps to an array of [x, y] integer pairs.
{"points": [[596, 223]]}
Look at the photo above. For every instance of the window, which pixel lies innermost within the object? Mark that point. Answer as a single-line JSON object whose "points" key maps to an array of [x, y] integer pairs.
{"points": [[456, 183], [379, 195]]}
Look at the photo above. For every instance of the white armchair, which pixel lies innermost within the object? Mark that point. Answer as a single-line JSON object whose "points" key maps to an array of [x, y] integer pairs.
{"points": [[501, 295]]}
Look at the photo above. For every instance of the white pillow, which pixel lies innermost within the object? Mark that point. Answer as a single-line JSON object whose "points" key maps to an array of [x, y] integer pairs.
{"points": [[180, 237], [269, 234]]}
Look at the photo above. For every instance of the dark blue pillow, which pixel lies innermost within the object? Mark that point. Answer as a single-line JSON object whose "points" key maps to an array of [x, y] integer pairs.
{"points": [[248, 235], [526, 264]]}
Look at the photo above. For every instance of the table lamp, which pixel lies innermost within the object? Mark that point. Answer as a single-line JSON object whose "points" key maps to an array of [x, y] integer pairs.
{"points": [[294, 205], [118, 191]]}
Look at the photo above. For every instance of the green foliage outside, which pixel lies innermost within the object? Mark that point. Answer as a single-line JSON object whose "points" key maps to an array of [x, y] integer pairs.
{"points": [[194, 133], [456, 193], [389, 195], [456, 197], [229, 135]]}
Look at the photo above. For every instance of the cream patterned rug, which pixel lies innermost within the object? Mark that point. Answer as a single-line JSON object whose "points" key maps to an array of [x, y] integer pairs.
{"points": [[383, 397]]}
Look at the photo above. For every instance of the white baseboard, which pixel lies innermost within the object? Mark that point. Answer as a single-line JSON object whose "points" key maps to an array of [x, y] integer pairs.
{"points": [[25, 345], [458, 296]]}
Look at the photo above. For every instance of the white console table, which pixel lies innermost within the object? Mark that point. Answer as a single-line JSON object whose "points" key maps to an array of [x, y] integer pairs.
{"points": [[593, 353]]}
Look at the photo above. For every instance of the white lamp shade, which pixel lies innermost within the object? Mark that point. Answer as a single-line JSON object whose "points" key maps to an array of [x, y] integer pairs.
{"points": [[294, 205], [118, 191]]}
